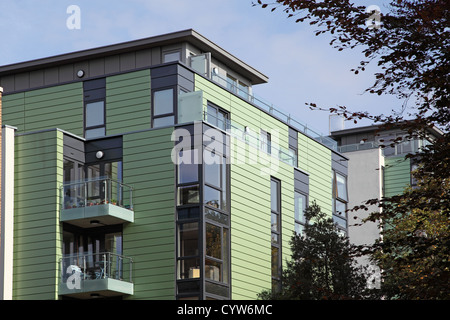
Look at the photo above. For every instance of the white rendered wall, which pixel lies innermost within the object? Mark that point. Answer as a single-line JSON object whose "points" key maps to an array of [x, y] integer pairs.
{"points": [[7, 214]]}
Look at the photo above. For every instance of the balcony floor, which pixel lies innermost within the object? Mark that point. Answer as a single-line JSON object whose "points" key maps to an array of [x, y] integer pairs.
{"points": [[103, 214]]}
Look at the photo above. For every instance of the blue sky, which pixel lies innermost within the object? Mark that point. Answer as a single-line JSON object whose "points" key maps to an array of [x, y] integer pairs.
{"points": [[301, 67]]}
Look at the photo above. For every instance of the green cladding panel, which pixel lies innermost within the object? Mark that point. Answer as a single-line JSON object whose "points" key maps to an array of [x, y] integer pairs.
{"points": [[397, 175], [128, 101], [150, 240], [315, 159], [38, 175], [48, 108]]}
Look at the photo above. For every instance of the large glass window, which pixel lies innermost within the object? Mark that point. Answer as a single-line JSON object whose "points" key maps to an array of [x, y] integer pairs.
{"points": [[275, 205], [216, 251], [187, 177], [87, 247], [300, 204], [94, 108], [266, 142], [215, 189], [340, 199], [188, 250], [217, 116], [163, 107]]}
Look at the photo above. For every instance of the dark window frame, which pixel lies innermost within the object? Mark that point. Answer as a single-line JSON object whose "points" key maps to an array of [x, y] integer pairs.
{"points": [[216, 120], [174, 112], [276, 245], [296, 221], [99, 95], [336, 198]]}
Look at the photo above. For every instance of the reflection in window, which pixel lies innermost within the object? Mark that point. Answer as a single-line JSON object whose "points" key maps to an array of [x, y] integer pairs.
{"points": [[340, 199], [341, 187], [188, 195], [266, 142], [94, 108], [163, 102], [217, 252], [300, 203], [217, 117], [212, 197], [275, 205], [163, 108], [187, 166], [172, 56]]}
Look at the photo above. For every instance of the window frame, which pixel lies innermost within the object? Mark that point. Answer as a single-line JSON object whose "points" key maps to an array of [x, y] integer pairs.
{"points": [[336, 197], [276, 245], [94, 91], [173, 113], [218, 110], [297, 222]]}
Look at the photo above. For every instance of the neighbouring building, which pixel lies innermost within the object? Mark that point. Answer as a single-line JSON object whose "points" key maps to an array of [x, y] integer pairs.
{"points": [[150, 170], [377, 168]]}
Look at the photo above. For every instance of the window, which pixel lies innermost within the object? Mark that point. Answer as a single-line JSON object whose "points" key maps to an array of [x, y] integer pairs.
{"points": [[266, 142], [275, 207], [217, 116], [91, 244], [300, 204], [340, 199], [163, 107], [94, 108], [215, 188], [188, 250], [187, 176], [216, 251], [171, 56]]}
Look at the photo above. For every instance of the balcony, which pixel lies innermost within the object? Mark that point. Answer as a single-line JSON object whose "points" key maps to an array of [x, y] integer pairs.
{"points": [[98, 275], [91, 203]]}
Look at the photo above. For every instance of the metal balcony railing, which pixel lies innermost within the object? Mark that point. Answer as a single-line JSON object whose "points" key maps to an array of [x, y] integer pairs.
{"points": [[93, 266], [96, 192]]}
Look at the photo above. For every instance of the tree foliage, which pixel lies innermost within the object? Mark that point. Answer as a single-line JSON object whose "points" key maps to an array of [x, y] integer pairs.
{"points": [[322, 265], [411, 47]]}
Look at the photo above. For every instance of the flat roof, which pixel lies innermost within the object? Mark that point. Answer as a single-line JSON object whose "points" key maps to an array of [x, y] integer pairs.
{"points": [[189, 35]]}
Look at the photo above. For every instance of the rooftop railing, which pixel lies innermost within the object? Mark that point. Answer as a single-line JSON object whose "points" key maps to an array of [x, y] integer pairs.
{"points": [[271, 109], [244, 134]]}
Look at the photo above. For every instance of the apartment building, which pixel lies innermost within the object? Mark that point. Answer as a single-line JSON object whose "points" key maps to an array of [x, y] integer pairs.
{"points": [[377, 168], [150, 170]]}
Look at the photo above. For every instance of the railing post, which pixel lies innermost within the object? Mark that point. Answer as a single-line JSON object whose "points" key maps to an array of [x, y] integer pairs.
{"points": [[104, 265], [84, 267], [85, 193]]}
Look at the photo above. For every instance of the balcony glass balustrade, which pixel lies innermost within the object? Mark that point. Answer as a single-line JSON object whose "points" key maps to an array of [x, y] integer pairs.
{"points": [[106, 274], [102, 200], [251, 138], [271, 109]]}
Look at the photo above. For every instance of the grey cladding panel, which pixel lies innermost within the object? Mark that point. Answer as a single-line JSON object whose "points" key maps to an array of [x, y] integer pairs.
{"points": [[73, 148], [339, 163], [293, 138], [111, 147]]}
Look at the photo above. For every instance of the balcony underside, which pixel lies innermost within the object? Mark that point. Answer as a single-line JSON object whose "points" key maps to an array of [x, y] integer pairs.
{"points": [[93, 216], [99, 288]]}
